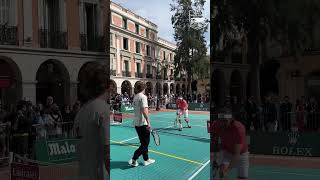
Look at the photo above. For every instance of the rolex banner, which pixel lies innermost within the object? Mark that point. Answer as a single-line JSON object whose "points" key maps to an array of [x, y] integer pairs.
{"points": [[285, 144], [57, 150]]}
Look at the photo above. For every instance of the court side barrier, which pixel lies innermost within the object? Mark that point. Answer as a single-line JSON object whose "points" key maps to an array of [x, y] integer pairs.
{"points": [[282, 143], [192, 106]]}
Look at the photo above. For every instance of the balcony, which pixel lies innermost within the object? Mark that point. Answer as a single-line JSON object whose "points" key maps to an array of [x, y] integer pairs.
{"points": [[236, 58], [8, 35], [138, 75], [126, 73], [158, 77], [56, 40], [165, 78], [113, 72], [149, 76], [94, 43]]}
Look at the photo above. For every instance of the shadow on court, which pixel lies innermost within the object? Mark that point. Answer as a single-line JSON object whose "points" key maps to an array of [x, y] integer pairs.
{"points": [[119, 165]]}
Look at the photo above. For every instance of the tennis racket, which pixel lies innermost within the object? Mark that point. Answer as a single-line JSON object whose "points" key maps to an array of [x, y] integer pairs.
{"points": [[156, 137]]}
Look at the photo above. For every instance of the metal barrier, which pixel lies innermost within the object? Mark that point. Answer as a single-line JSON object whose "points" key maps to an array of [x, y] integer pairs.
{"points": [[47, 131], [272, 122]]}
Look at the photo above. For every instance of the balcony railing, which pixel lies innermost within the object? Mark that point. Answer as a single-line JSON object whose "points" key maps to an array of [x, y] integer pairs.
{"points": [[138, 75], [126, 73], [113, 72], [8, 35], [91, 43], [236, 58], [149, 76], [56, 39]]}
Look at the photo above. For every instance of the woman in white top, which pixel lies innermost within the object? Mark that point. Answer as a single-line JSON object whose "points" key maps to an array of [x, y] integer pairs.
{"points": [[92, 121]]}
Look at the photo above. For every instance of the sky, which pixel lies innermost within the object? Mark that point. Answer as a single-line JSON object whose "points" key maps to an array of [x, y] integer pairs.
{"points": [[158, 12]]}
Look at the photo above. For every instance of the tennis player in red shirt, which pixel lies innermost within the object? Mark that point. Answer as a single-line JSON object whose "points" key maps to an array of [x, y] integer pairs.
{"points": [[235, 153], [182, 109]]}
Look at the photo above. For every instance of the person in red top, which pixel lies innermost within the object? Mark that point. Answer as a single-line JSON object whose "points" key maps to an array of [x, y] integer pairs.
{"points": [[182, 109], [234, 147]]}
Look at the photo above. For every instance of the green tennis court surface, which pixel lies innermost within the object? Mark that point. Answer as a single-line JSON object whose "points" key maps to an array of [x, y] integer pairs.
{"points": [[181, 155]]}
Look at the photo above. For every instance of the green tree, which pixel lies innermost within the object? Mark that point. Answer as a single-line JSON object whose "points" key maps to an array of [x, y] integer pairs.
{"points": [[191, 44], [288, 22]]}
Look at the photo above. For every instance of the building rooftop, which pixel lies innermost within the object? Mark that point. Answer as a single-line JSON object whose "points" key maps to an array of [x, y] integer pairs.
{"points": [[130, 12]]}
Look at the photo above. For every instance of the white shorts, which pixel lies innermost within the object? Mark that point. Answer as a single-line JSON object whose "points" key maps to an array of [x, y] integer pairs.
{"points": [[181, 112], [242, 166]]}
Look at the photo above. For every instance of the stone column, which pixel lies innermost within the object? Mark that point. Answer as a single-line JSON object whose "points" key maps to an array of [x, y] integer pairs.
{"points": [[119, 89], [35, 23], [73, 92]]}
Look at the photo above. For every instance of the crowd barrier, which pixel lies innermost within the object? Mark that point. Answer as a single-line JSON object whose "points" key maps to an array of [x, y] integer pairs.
{"points": [[296, 134], [268, 122]]}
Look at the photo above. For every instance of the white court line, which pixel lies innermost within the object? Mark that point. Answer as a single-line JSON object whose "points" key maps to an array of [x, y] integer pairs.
{"points": [[297, 174], [199, 170], [129, 139]]}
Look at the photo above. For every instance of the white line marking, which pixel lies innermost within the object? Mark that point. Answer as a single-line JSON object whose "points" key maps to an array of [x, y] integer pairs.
{"points": [[129, 139], [297, 174], [199, 170]]}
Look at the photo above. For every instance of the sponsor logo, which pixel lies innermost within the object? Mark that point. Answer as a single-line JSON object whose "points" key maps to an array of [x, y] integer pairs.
{"points": [[61, 149], [293, 138], [291, 151]]}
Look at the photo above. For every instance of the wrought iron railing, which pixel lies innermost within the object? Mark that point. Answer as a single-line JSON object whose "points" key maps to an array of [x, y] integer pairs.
{"points": [[138, 75], [149, 76], [126, 73], [94, 43], [55, 39], [236, 58], [113, 72], [8, 35]]}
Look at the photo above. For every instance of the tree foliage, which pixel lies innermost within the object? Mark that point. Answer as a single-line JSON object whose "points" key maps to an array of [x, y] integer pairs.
{"points": [[191, 44]]}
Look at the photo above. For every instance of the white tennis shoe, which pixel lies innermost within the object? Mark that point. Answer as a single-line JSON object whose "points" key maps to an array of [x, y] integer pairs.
{"points": [[149, 161], [135, 164]]}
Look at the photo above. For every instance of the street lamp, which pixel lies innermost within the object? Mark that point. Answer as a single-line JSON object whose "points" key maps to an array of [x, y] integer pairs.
{"points": [[158, 72]]}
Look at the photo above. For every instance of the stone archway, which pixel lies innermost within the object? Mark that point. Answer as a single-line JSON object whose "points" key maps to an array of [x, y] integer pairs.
{"points": [[158, 89], [236, 85], [83, 72], [183, 89], [126, 87], [113, 87], [10, 82], [165, 88], [149, 88], [53, 79], [312, 85], [218, 87], [172, 88], [194, 87], [178, 90]]}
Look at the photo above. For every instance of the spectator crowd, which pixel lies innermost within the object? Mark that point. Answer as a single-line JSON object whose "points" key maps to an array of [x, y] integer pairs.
{"points": [[275, 114], [21, 125], [118, 100]]}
